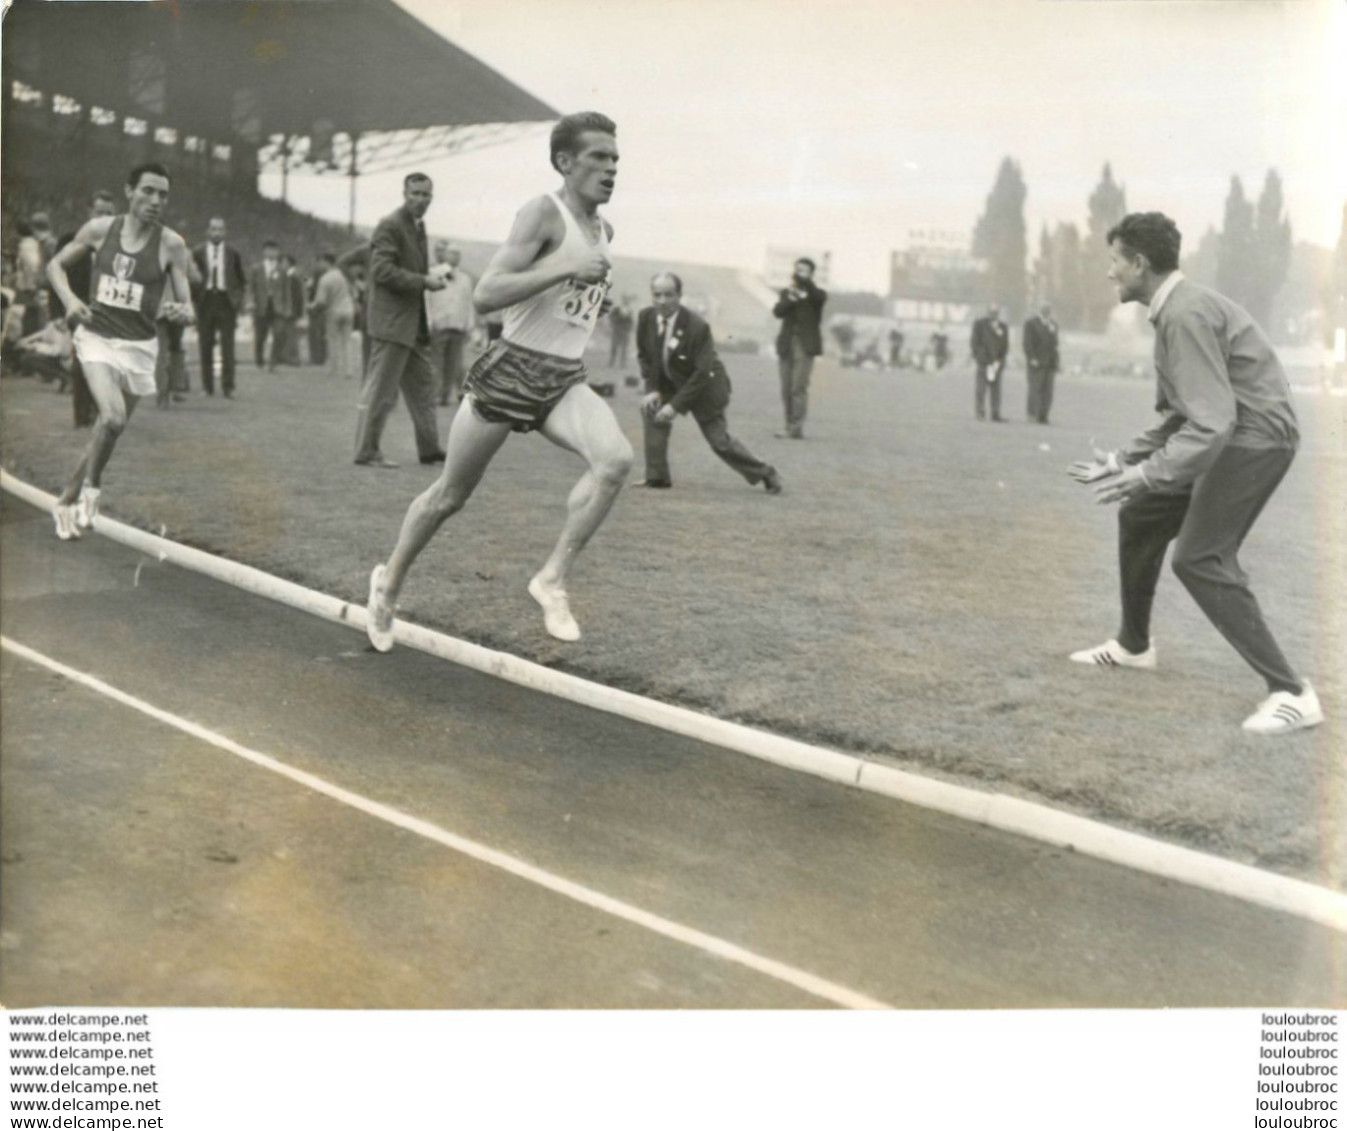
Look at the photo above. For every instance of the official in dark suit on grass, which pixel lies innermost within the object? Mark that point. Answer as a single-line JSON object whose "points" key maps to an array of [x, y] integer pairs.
{"points": [[990, 345], [271, 304], [682, 374], [1042, 360], [219, 298], [800, 309], [397, 326]]}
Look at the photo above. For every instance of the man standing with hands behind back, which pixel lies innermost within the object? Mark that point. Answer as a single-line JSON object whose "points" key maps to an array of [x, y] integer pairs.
{"points": [[397, 324], [1042, 360], [800, 309], [219, 298]]}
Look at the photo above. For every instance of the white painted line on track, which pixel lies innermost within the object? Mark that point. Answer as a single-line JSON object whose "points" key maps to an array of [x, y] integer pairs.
{"points": [[995, 810], [690, 936]]}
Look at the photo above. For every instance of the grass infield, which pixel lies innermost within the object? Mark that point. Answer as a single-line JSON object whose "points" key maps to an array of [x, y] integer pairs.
{"points": [[911, 597]]}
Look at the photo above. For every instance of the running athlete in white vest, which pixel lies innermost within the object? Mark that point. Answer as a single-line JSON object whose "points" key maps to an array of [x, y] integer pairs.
{"points": [[551, 280], [136, 259]]}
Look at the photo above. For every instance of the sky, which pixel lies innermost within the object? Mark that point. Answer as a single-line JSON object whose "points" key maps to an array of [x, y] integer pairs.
{"points": [[845, 125]]}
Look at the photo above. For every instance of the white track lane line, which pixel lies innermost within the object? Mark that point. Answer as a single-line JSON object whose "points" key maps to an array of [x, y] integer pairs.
{"points": [[800, 979]]}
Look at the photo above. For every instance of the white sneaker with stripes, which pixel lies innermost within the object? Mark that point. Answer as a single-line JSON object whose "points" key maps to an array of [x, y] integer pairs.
{"points": [[1281, 713], [86, 506], [1111, 654], [64, 517]]}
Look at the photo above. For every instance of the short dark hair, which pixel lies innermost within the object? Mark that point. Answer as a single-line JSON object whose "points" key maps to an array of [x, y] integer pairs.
{"points": [[805, 259], [415, 179], [566, 133], [1152, 234], [271, 243], [677, 282], [158, 170], [102, 194], [327, 257]]}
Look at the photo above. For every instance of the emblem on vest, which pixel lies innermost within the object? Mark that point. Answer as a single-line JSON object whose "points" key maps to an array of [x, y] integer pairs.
{"points": [[123, 266]]}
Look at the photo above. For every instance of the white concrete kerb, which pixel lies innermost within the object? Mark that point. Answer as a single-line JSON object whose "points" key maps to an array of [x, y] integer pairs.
{"points": [[999, 811]]}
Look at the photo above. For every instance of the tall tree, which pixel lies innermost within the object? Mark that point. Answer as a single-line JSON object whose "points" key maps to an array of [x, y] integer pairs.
{"points": [[1001, 237], [1108, 205], [1272, 250], [1237, 263], [1200, 262], [1057, 273]]}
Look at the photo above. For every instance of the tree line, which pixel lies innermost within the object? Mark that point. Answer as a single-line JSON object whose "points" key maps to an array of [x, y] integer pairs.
{"points": [[1247, 259]]}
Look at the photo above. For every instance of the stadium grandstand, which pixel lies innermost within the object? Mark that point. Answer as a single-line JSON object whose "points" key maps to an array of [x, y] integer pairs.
{"points": [[222, 91]]}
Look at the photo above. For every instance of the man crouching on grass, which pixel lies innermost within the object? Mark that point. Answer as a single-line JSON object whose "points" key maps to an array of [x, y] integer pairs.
{"points": [[1201, 476]]}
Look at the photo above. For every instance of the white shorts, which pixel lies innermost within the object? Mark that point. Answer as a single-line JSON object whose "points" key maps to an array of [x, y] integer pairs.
{"points": [[131, 362]]}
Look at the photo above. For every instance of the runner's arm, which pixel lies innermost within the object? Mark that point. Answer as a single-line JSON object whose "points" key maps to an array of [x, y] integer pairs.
{"points": [[180, 291], [511, 276], [86, 240]]}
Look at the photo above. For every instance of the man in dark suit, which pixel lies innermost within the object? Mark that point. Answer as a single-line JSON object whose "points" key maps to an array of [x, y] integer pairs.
{"points": [[990, 345], [398, 328], [800, 309], [1041, 357], [271, 304], [683, 373], [219, 298]]}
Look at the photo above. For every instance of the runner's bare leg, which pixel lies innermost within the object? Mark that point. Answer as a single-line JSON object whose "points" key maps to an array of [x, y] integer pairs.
{"points": [[469, 448], [583, 424]]}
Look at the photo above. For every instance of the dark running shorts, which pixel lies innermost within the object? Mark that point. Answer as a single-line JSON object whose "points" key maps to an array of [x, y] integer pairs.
{"points": [[513, 385]]}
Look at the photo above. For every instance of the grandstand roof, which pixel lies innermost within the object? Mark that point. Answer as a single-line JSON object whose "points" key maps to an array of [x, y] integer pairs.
{"points": [[247, 69]]}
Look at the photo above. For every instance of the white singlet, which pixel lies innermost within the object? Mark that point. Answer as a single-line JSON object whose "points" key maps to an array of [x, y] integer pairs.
{"points": [[560, 320]]}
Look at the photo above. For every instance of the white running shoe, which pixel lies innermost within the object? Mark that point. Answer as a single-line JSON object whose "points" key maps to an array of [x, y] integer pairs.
{"points": [[1281, 713], [1111, 654], [86, 507], [556, 610], [379, 618], [64, 516]]}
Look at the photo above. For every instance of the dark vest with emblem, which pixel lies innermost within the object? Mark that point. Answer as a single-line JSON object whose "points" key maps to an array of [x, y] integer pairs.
{"points": [[126, 287]]}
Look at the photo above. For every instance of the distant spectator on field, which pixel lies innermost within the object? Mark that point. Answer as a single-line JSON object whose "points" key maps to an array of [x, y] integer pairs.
{"points": [[800, 309], [451, 316], [896, 348], [1041, 358], [990, 344], [317, 326], [334, 306], [620, 321], [940, 348], [271, 304], [29, 276], [219, 298], [290, 352]]}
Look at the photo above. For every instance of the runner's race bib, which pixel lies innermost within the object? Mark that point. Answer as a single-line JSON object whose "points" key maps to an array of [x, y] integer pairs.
{"points": [[121, 293], [578, 303]]}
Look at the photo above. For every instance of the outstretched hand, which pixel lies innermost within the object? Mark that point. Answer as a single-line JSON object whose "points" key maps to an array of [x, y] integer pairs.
{"points": [[1128, 485], [1101, 465]]}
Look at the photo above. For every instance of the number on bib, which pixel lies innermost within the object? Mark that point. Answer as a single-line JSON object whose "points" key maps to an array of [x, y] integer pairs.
{"points": [[579, 303], [121, 293]]}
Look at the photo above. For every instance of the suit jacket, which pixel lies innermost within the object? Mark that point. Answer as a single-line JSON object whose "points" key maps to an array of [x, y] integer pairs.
{"points": [[235, 278], [991, 341], [1040, 344], [282, 296], [802, 319], [691, 378], [397, 281]]}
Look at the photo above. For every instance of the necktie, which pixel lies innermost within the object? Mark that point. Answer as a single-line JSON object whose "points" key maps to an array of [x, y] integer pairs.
{"points": [[421, 240]]}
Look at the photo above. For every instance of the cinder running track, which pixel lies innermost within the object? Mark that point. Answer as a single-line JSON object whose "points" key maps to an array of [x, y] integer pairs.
{"points": [[494, 847]]}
